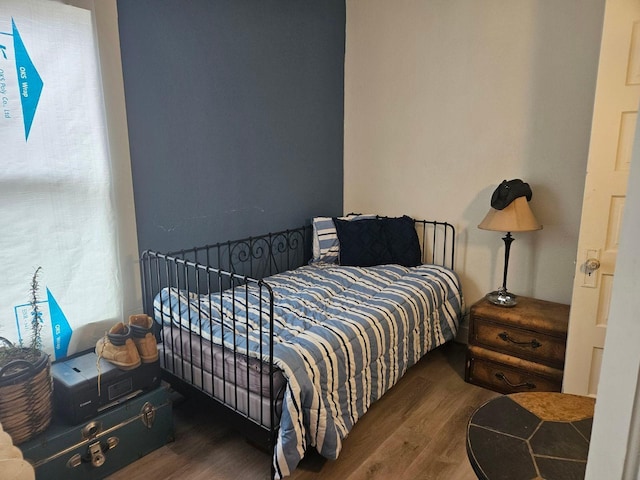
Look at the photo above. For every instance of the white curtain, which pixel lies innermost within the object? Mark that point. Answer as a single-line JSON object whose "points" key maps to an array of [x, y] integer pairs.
{"points": [[57, 204]]}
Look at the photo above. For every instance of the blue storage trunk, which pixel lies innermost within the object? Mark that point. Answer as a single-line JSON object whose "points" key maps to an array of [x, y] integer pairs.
{"points": [[109, 442]]}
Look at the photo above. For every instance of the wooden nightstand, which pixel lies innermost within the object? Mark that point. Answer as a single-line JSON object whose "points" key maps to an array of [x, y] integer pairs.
{"points": [[517, 349]]}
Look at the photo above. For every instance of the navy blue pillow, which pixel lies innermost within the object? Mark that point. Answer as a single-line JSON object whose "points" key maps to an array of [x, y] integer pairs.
{"points": [[402, 240], [363, 243]]}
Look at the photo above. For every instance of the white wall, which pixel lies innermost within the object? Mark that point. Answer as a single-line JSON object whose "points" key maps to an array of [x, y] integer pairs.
{"points": [[445, 99]]}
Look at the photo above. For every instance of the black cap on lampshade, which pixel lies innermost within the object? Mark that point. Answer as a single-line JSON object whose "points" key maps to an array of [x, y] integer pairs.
{"points": [[508, 191]]}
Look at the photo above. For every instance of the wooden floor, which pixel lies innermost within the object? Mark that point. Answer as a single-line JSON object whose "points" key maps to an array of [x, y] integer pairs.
{"points": [[416, 431]]}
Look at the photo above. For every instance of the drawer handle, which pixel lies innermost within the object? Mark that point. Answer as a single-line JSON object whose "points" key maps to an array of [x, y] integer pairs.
{"points": [[503, 377], [533, 343]]}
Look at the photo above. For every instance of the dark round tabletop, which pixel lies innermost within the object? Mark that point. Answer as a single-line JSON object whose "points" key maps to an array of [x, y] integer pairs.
{"points": [[526, 436]]}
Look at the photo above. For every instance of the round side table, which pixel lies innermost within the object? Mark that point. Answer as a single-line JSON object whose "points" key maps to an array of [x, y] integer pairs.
{"points": [[535, 435]]}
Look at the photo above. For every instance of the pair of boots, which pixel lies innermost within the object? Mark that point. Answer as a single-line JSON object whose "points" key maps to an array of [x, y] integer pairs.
{"points": [[127, 346]]}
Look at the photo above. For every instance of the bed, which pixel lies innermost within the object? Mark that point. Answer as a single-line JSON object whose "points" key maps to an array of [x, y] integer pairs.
{"points": [[293, 335]]}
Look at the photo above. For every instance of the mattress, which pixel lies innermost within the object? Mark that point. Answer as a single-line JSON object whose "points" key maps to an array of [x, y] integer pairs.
{"points": [[245, 387], [245, 372]]}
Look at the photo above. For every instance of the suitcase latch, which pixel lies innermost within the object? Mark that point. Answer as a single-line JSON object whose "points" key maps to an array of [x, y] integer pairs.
{"points": [[91, 430], [148, 415], [95, 454]]}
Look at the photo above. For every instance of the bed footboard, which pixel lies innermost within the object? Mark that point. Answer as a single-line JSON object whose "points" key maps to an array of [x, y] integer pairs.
{"points": [[190, 358]]}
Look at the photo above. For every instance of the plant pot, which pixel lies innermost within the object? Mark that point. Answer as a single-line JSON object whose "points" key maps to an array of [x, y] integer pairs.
{"points": [[26, 389]]}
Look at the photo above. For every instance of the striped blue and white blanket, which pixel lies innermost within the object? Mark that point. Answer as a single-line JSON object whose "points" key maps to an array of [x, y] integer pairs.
{"points": [[342, 337]]}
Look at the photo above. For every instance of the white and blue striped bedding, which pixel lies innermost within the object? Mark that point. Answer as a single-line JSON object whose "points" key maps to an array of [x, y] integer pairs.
{"points": [[342, 336]]}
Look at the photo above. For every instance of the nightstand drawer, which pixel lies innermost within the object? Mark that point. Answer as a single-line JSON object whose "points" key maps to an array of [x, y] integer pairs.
{"points": [[527, 344], [506, 374]]}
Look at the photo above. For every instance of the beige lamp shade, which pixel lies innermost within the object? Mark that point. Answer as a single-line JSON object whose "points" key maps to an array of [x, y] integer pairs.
{"points": [[515, 217]]}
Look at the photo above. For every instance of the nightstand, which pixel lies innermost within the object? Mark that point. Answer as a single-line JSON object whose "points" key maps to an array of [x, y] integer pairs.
{"points": [[517, 349]]}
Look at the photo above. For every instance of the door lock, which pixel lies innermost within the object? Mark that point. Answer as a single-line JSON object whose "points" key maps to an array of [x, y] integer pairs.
{"points": [[591, 265]]}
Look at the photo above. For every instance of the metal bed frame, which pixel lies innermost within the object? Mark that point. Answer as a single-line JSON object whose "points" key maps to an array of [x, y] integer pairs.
{"points": [[234, 267]]}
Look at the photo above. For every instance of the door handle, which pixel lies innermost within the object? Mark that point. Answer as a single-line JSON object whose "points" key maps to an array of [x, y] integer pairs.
{"points": [[592, 264]]}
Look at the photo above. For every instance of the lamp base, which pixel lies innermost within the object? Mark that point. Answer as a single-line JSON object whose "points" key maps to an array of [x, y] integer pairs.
{"points": [[502, 297]]}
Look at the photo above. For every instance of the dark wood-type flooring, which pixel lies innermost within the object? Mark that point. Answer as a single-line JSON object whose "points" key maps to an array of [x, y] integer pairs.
{"points": [[415, 432]]}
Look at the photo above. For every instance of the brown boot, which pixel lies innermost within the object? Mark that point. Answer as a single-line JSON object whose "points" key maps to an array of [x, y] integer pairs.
{"points": [[118, 348], [142, 329]]}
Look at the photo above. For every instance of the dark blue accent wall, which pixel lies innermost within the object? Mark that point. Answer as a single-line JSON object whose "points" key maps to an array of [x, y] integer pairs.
{"points": [[235, 115]]}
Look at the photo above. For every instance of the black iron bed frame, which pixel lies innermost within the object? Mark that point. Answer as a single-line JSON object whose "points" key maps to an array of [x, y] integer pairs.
{"points": [[234, 266]]}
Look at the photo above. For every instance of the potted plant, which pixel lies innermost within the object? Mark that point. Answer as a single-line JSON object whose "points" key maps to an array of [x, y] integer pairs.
{"points": [[25, 379]]}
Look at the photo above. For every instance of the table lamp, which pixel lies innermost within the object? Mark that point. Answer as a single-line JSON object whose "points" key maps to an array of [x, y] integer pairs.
{"points": [[509, 214]]}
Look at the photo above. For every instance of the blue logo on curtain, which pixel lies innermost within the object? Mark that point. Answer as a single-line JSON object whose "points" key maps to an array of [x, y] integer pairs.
{"points": [[60, 327], [29, 81]]}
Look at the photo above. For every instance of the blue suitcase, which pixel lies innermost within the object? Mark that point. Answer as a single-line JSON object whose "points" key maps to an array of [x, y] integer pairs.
{"points": [[109, 442]]}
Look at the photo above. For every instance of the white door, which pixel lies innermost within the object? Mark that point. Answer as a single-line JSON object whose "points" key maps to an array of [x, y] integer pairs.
{"points": [[612, 133]]}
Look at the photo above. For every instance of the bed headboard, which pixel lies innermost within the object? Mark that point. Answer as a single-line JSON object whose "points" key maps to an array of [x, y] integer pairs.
{"points": [[437, 240], [265, 255]]}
